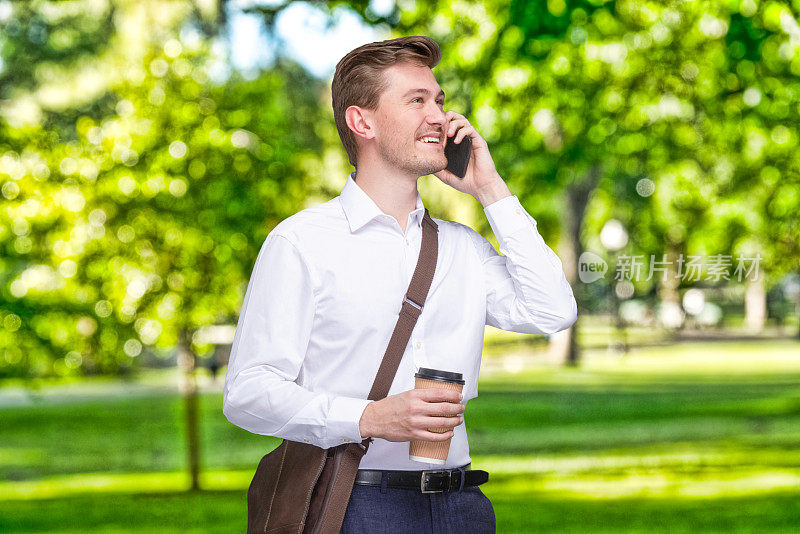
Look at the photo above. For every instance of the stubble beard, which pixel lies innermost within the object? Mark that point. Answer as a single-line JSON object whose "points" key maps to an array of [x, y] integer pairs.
{"points": [[411, 159]]}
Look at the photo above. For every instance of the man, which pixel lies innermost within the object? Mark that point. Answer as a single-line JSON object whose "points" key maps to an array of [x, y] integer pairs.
{"points": [[329, 282]]}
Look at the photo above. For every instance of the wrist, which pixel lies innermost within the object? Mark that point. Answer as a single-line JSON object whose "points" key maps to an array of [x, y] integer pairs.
{"points": [[364, 425], [489, 194]]}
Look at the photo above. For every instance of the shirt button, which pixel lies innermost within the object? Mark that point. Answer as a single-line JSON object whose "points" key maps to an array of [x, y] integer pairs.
{"points": [[408, 242], [305, 440], [418, 345], [347, 439], [519, 210]]}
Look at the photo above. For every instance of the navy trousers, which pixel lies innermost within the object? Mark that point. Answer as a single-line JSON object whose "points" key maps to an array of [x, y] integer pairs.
{"points": [[386, 510]]}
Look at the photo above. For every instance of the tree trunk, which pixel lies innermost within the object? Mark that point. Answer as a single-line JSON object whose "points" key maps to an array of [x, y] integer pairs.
{"points": [[669, 282], [673, 317], [755, 305], [565, 346], [188, 387]]}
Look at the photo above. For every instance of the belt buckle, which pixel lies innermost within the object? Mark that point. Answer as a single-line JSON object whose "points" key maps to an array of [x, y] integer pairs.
{"points": [[424, 478]]}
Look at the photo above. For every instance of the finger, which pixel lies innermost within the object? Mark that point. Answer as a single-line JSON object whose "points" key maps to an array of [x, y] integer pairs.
{"points": [[463, 132], [455, 121], [438, 395], [440, 422], [454, 115], [450, 115], [425, 435], [441, 409], [454, 125]]}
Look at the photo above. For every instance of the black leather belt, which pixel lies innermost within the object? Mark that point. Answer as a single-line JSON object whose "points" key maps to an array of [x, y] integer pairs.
{"points": [[431, 481]]}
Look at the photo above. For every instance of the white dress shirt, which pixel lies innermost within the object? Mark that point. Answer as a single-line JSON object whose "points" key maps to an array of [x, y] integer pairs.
{"points": [[324, 298]]}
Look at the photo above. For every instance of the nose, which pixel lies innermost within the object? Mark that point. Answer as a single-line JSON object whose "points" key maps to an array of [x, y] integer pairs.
{"points": [[435, 115]]}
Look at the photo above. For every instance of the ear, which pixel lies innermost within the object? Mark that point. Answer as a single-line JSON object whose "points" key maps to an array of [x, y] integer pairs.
{"points": [[360, 121]]}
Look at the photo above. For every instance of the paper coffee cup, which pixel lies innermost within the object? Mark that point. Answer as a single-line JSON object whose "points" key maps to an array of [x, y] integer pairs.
{"points": [[434, 451]]}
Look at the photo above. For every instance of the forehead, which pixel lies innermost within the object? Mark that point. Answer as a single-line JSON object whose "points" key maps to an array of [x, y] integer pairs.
{"points": [[404, 77]]}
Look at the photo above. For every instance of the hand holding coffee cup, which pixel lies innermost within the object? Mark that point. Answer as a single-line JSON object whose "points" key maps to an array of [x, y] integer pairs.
{"points": [[407, 416], [434, 451]]}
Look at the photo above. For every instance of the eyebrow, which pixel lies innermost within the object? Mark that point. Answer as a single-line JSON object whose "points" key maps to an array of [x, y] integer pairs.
{"points": [[423, 91]]}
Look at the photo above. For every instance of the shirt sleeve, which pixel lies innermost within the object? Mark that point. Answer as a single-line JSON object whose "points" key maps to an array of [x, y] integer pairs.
{"points": [[261, 394], [526, 290]]}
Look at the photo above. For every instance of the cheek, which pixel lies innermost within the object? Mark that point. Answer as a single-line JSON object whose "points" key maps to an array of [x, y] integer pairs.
{"points": [[402, 128], [396, 127]]}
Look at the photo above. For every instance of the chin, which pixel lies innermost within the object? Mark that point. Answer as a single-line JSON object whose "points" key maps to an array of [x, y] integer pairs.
{"points": [[439, 161], [417, 163], [437, 168], [429, 166], [440, 166]]}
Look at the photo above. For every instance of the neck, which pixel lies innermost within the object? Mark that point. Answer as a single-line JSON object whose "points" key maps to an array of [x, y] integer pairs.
{"points": [[395, 193]]}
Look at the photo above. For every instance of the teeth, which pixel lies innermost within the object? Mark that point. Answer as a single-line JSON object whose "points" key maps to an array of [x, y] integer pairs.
{"points": [[430, 139]]}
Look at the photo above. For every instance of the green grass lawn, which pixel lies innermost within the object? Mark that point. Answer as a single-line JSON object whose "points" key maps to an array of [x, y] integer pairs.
{"points": [[700, 437]]}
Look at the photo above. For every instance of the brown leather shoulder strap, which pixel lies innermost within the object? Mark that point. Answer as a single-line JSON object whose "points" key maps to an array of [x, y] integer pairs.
{"points": [[410, 310]]}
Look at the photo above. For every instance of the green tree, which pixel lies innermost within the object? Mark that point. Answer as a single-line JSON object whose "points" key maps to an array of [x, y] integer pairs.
{"points": [[135, 215], [579, 99]]}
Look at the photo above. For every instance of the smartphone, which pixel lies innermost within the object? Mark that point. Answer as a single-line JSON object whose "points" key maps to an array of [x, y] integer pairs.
{"points": [[457, 155]]}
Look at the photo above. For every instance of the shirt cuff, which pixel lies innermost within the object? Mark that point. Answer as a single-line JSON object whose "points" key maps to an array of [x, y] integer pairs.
{"points": [[343, 418], [507, 216]]}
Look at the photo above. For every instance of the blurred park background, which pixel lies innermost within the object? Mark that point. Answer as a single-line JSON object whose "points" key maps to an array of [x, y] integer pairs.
{"points": [[147, 147]]}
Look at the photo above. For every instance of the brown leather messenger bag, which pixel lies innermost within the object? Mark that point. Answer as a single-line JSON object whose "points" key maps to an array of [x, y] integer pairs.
{"points": [[300, 488]]}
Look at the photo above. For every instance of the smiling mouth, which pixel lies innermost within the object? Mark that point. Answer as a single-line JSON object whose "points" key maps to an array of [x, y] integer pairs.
{"points": [[433, 145], [436, 144]]}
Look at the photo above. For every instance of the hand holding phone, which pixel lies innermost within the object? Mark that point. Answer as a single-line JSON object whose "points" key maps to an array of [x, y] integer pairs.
{"points": [[457, 155]]}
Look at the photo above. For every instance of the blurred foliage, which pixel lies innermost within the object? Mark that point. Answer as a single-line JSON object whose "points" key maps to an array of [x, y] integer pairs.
{"points": [[138, 213], [687, 111], [676, 118]]}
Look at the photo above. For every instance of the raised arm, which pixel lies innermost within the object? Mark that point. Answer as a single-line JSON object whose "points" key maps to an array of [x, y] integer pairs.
{"points": [[526, 290]]}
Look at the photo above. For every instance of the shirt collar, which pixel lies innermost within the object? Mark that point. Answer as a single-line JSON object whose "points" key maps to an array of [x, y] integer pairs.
{"points": [[359, 208]]}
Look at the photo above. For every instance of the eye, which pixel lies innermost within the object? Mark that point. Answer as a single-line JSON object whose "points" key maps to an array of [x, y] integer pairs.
{"points": [[418, 98]]}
